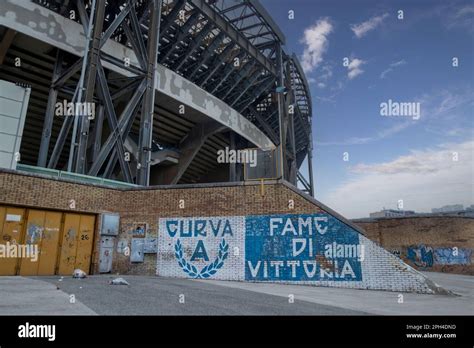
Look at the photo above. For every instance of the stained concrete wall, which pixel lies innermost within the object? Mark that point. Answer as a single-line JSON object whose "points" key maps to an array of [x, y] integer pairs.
{"points": [[428, 243]]}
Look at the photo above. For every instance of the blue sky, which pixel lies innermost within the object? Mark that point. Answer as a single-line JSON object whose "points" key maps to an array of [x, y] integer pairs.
{"points": [[426, 162]]}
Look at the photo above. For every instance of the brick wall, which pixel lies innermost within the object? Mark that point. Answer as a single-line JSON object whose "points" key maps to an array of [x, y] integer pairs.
{"points": [[249, 208], [428, 243]]}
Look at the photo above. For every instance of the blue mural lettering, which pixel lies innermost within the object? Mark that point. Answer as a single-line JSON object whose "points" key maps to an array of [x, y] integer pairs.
{"points": [[301, 247], [200, 252], [194, 230]]}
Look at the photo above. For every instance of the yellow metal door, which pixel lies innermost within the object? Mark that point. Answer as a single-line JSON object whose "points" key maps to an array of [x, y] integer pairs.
{"points": [[61, 248], [33, 236], [67, 258], [11, 226], [84, 243], [49, 243]]}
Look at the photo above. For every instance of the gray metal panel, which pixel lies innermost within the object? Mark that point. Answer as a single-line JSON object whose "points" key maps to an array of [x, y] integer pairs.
{"points": [[8, 125], [137, 254], [110, 224], [5, 159], [106, 254], [7, 143], [10, 107], [151, 245], [13, 105]]}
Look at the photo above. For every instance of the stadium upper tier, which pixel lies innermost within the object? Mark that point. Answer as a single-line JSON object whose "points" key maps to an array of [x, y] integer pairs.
{"points": [[222, 79]]}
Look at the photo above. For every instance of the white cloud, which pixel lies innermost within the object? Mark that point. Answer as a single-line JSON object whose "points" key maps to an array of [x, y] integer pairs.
{"points": [[326, 72], [354, 68], [440, 112], [380, 135], [392, 67], [423, 179], [459, 17], [466, 10], [316, 41], [363, 28], [445, 106]]}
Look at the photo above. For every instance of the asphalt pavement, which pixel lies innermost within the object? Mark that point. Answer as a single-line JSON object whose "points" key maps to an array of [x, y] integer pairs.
{"points": [[151, 295]]}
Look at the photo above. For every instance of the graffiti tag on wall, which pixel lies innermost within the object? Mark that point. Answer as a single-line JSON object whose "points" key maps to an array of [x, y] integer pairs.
{"points": [[425, 256], [421, 256], [452, 256]]}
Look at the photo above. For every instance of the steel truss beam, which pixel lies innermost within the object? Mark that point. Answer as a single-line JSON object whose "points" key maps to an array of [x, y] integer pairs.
{"points": [[208, 53], [146, 121], [269, 130], [217, 64], [228, 70], [196, 42], [247, 85], [243, 91], [182, 33], [304, 182], [93, 60], [7, 40], [241, 74], [290, 101], [188, 148], [125, 119], [258, 91], [169, 19], [90, 155], [49, 115], [234, 34]]}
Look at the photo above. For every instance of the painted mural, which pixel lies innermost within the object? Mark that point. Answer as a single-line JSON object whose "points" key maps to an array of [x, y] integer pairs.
{"points": [[311, 247], [425, 256], [301, 248], [452, 256], [421, 256], [200, 247]]}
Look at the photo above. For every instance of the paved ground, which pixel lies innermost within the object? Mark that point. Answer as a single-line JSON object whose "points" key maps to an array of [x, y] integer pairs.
{"points": [[25, 296], [378, 302], [161, 296]]}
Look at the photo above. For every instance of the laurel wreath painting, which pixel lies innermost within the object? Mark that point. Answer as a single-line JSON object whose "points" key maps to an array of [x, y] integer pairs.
{"points": [[207, 270]]}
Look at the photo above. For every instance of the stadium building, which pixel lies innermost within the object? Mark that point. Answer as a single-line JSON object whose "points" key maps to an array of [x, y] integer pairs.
{"points": [[113, 119]]}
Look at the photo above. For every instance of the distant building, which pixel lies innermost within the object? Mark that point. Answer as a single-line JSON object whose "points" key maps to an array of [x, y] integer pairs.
{"points": [[391, 213], [448, 208]]}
